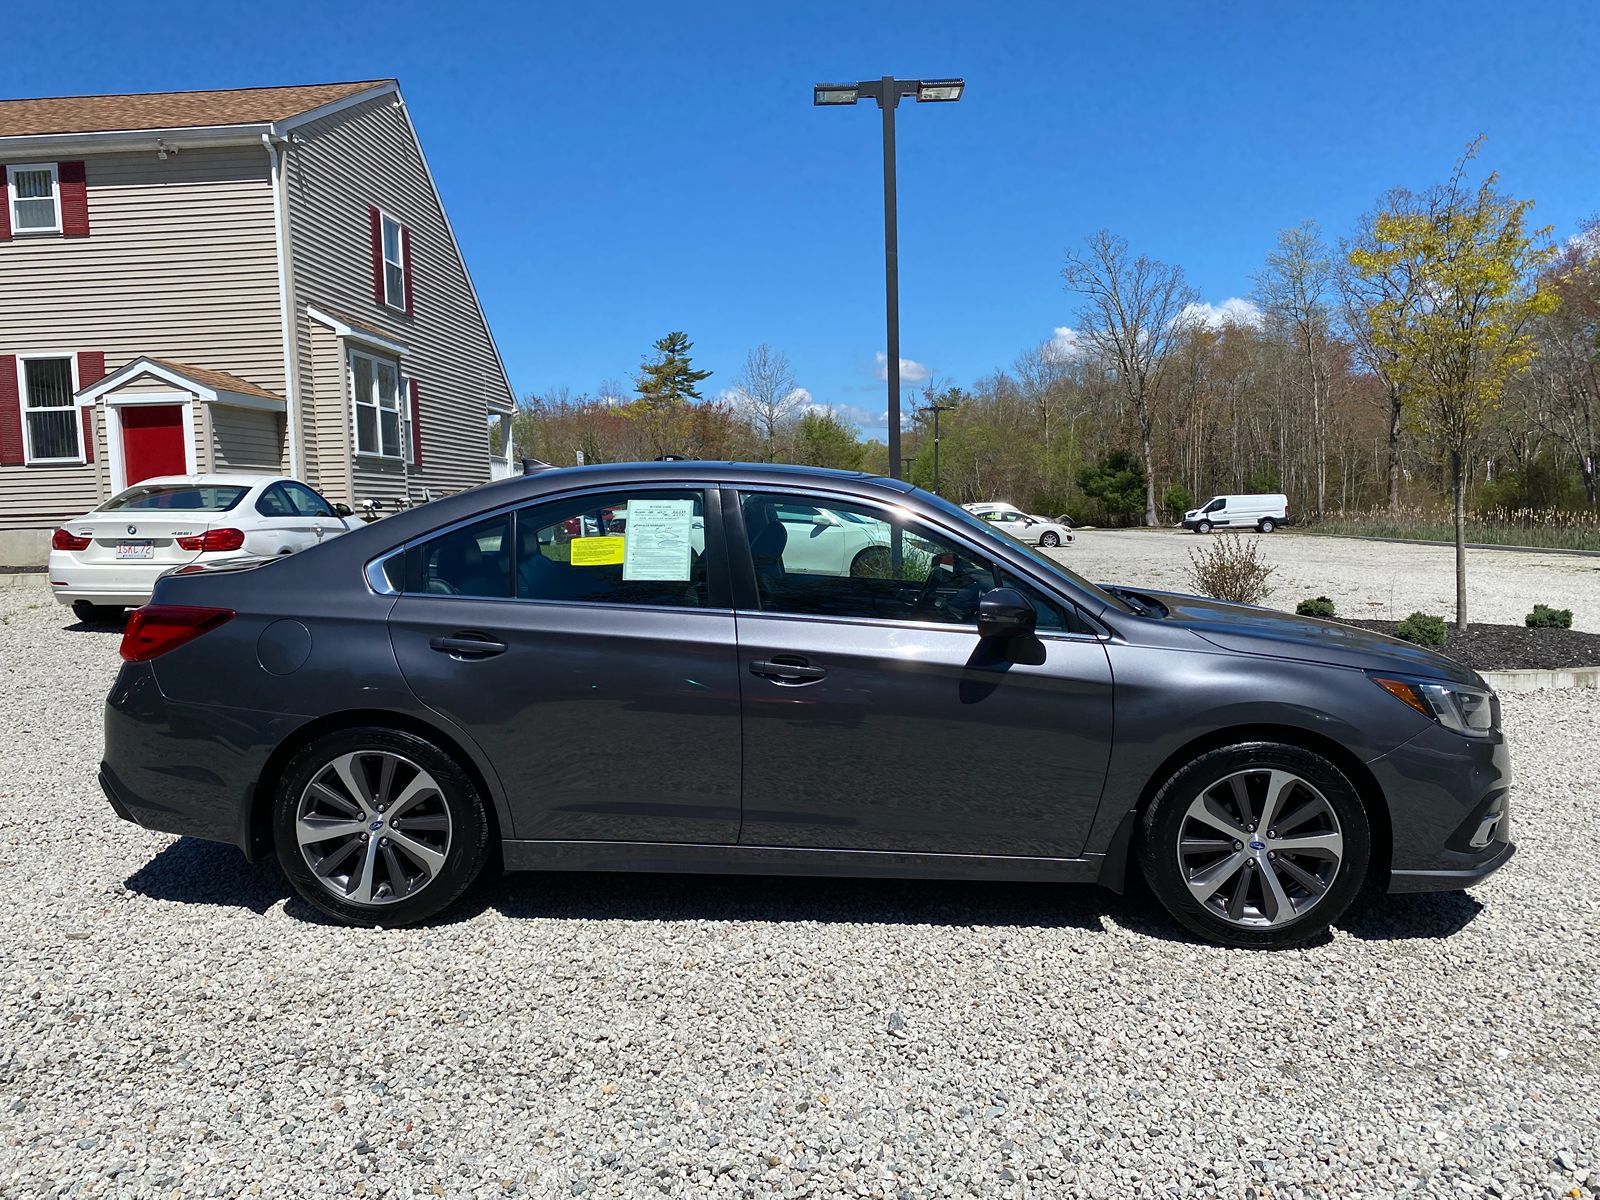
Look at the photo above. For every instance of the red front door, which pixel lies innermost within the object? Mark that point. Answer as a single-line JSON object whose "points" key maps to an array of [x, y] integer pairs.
{"points": [[152, 441]]}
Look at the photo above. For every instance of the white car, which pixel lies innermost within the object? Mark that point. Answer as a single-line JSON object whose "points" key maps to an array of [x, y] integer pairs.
{"points": [[109, 559], [1036, 531]]}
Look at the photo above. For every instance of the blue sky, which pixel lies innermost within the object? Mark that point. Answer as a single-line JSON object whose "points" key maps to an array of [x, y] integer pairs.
{"points": [[615, 171]]}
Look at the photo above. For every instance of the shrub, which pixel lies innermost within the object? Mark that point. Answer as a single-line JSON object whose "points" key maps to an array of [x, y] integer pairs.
{"points": [[1545, 617], [1231, 568], [1315, 606], [1423, 629]]}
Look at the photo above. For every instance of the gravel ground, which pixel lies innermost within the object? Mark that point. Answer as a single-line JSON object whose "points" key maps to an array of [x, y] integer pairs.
{"points": [[1382, 581], [171, 1025]]}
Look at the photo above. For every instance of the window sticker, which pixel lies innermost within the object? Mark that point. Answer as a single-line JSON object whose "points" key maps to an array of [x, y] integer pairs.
{"points": [[598, 551], [659, 533]]}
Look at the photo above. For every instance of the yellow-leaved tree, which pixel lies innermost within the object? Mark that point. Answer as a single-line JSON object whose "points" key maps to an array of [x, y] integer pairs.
{"points": [[1460, 265]]}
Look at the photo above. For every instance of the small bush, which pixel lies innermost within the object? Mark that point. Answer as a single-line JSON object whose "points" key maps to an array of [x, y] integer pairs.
{"points": [[1315, 606], [1545, 617], [1423, 629], [1231, 569]]}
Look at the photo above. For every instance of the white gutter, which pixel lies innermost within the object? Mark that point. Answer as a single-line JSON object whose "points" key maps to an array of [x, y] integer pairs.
{"points": [[291, 384], [113, 140]]}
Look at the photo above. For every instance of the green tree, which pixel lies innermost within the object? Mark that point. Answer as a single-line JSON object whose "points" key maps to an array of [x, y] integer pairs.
{"points": [[822, 440], [1177, 500], [1118, 482], [1460, 332], [666, 385]]}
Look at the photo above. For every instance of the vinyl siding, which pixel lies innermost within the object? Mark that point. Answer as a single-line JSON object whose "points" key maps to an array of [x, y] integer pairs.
{"points": [[243, 439], [340, 166], [327, 427], [179, 263]]}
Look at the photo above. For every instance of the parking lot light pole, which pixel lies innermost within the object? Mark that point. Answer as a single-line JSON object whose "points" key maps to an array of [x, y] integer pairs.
{"points": [[887, 92], [936, 408]]}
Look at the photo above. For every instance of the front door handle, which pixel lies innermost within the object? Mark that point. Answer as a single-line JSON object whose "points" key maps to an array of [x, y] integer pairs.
{"points": [[468, 645], [787, 669]]}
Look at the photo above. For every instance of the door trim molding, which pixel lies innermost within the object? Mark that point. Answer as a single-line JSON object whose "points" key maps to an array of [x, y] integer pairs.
{"points": [[113, 406]]}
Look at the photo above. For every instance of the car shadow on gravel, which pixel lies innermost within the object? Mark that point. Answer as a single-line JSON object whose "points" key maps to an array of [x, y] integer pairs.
{"points": [[191, 871]]}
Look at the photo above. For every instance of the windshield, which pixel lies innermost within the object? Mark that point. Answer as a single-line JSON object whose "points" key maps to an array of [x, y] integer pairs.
{"points": [[177, 497], [1049, 565]]}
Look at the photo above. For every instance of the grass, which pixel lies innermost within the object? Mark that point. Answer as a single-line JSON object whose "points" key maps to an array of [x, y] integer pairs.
{"points": [[1547, 530]]}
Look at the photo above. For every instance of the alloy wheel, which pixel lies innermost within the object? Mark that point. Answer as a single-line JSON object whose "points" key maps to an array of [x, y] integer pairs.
{"points": [[374, 827], [1260, 847]]}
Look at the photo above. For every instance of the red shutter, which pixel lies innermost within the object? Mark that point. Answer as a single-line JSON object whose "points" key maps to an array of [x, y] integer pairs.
{"points": [[377, 255], [416, 424], [5, 205], [74, 199], [11, 452], [91, 370], [405, 258]]}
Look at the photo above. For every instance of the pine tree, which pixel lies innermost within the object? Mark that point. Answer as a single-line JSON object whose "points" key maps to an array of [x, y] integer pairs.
{"points": [[670, 381]]}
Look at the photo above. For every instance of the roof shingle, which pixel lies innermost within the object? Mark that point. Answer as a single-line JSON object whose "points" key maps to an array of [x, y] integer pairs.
{"points": [[169, 110]]}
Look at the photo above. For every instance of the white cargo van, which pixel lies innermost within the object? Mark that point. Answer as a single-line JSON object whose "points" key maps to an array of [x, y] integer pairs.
{"points": [[1264, 513]]}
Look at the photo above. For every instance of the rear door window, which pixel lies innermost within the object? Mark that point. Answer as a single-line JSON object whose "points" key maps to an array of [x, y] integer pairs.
{"points": [[639, 546]]}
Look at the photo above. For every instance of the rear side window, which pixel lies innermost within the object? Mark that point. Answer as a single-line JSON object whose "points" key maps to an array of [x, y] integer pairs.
{"points": [[627, 547], [475, 560], [274, 502], [162, 497]]}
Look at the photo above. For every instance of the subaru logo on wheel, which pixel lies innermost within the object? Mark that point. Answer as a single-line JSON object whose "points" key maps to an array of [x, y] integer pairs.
{"points": [[376, 825], [1258, 845]]}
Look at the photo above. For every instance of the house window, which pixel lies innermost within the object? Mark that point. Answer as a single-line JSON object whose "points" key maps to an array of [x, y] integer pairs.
{"points": [[375, 386], [394, 263], [49, 414], [35, 193]]}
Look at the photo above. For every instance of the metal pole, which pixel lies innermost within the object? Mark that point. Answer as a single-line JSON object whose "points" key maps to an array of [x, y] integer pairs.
{"points": [[888, 99], [936, 411]]}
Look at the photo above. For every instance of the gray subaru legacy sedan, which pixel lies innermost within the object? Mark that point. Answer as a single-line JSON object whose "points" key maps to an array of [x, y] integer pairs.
{"points": [[723, 667]]}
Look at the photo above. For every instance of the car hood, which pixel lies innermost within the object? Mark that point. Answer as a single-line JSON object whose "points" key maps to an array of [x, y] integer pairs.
{"points": [[1246, 629]]}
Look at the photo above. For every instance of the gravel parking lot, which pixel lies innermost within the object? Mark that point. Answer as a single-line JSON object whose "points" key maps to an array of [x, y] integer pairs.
{"points": [[171, 1024], [1382, 581]]}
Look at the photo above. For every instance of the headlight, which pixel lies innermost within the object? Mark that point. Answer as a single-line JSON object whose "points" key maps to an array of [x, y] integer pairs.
{"points": [[1469, 711]]}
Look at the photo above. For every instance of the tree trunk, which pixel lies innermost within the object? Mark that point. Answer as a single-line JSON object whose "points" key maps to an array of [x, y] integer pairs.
{"points": [[1149, 474], [1458, 494], [1395, 413]]}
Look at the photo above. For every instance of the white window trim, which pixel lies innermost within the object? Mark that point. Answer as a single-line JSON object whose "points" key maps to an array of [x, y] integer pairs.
{"points": [[28, 457], [400, 400], [12, 199], [400, 239]]}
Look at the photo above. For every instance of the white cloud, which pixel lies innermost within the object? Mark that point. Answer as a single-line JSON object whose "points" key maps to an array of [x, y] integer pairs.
{"points": [[1235, 310], [802, 398], [911, 371], [1065, 342]]}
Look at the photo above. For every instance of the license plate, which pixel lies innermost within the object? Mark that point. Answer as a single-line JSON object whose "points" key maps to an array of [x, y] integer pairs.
{"points": [[139, 549]]}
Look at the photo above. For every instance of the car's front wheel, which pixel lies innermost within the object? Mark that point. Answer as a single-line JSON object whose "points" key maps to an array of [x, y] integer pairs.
{"points": [[1049, 538], [1203, 527], [1259, 844], [377, 826]]}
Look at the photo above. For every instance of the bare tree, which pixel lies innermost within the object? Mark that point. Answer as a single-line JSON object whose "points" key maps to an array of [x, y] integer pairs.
{"points": [[1293, 292], [1136, 311], [765, 393]]}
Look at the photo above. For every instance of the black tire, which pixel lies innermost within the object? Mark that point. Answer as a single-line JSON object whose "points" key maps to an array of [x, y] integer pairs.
{"points": [[1203, 527], [1050, 539], [467, 849], [1266, 525], [97, 614], [1163, 826]]}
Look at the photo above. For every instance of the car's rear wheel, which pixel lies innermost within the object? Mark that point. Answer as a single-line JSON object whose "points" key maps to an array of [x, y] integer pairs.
{"points": [[1259, 844], [1203, 527], [97, 614], [375, 826], [1049, 538], [1267, 525], [872, 563]]}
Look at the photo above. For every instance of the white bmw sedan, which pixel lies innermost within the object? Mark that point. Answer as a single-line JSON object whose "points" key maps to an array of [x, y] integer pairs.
{"points": [[109, 559]]}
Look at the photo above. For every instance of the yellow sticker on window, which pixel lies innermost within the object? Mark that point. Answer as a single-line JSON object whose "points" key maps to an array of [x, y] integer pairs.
{"points": [[598, 551]]}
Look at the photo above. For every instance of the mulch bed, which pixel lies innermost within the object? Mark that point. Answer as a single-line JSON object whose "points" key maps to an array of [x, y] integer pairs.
{"points": [[1512, 647]]}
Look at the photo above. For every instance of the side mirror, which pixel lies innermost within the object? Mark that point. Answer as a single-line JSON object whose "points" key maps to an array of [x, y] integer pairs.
{"points": [[825, 519], [1005, 612], [344, 510]]}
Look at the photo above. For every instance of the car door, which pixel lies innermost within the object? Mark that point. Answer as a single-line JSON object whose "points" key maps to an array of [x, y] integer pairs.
{"points": [[318, 521], [876, 718], [596, 669], [278, 526]]}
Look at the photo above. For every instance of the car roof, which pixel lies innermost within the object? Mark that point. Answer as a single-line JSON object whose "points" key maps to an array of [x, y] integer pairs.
{"points": [[236, 479]]}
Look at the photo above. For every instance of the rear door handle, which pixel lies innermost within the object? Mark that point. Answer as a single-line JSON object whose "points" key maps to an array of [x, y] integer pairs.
{"points": [[787, 668], [468, 645]]}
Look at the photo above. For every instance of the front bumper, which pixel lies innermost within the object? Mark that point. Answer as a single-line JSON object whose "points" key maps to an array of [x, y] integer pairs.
{"points": [[1449, 810]]}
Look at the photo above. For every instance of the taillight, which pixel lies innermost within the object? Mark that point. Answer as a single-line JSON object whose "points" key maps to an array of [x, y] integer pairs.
{"points": [[156, 628], [68, 541], [214, 539]]}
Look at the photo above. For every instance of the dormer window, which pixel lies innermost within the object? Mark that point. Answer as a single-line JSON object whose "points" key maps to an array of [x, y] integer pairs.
{"points": [[34, 190]]}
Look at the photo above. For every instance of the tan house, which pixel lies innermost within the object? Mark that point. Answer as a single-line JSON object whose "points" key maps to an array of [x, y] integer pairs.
{"points": [[262, 279]]}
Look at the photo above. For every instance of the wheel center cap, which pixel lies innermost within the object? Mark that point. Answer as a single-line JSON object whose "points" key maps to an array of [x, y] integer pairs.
{"points": [[1253, 845], [378, 824]]}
